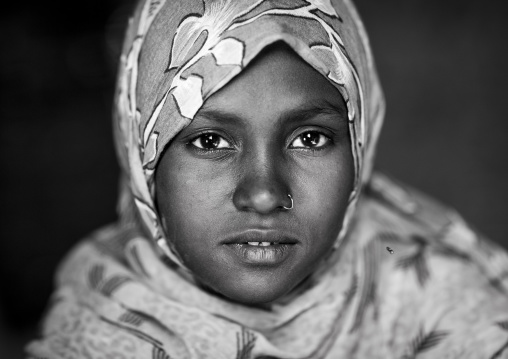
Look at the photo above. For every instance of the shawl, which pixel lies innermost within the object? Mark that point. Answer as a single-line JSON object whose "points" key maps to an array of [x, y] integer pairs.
{"points": [[408, 277]]}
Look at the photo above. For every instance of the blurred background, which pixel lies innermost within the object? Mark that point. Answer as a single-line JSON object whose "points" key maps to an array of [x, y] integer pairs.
{"points": [[442, 65]]}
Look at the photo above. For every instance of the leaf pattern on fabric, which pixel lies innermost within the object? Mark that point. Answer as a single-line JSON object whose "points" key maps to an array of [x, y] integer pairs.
{"points": [[244, 343], [159, 353], [105, 286], [133, 256], [131, 318], [425, 341], [95, 276], [112, 284], [417, 261]]}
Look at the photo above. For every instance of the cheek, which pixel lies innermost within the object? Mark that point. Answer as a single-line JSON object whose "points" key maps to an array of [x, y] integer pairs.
{"points": [[326, 198], [191, 202]]}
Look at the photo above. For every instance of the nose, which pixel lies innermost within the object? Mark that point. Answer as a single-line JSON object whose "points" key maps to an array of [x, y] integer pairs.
{"points": [[263, 193]]}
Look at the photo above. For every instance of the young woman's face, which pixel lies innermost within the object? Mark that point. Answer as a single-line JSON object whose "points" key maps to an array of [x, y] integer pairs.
{"points": [[278, 129]]}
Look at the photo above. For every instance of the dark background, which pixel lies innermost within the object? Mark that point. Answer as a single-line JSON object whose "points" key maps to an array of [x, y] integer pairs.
{"points": [[442, 65]]}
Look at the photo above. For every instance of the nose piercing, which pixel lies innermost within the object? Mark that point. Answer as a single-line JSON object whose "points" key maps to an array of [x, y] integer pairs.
{"points": [[288, 208]]}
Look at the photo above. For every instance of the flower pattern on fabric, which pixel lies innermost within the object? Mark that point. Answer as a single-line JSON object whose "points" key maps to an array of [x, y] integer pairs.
{"points": [[218, 18], [186, 50], [188, 95], [228, 52]]}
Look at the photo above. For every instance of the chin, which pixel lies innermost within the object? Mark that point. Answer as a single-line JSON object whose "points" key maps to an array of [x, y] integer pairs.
{"points": [[255, 290]]}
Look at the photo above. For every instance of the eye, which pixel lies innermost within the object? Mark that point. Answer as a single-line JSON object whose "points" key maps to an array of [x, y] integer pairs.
{"points": [[310, 139], [210, 141]]}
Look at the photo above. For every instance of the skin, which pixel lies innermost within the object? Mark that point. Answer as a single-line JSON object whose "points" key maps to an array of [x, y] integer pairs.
{"points": [[279, 127]]}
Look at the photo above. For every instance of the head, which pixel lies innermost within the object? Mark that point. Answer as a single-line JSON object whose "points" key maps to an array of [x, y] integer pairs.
{"points": [[278, 128], [245, 122]]}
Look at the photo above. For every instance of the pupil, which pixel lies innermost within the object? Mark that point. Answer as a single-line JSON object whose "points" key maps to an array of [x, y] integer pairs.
{"points": [[210, 141], [310, 139]]}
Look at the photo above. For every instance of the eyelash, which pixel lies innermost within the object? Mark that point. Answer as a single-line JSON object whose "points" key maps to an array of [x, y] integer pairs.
{"points": [[328, 140], [207, 151]]}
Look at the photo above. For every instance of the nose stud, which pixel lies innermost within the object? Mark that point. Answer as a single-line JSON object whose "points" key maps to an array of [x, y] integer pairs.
{"points": [[288, 208]]}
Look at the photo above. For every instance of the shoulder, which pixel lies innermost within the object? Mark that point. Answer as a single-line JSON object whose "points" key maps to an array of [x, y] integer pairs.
{"points": [[405, 217], [399, 216], [449, 279]]}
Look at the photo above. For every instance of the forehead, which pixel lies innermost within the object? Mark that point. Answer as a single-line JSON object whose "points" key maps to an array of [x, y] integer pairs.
{"points": [[278, 78]]}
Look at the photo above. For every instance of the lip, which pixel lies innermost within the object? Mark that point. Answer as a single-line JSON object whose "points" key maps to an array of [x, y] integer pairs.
{"points": [[282, 245]]}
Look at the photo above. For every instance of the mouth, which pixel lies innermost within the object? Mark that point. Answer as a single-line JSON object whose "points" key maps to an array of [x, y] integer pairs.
{"points": [[261, 247], [261, 237], [262, 244]]}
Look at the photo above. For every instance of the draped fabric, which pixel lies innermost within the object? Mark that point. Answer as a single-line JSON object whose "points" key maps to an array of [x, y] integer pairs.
{"points": [[408, 277]]}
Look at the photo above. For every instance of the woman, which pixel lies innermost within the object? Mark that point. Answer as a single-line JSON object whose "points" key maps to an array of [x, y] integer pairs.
{"points": [[251, 225]]}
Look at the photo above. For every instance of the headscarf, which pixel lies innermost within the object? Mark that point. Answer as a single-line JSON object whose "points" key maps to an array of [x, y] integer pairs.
{"points": [[125, 293], [193, 50]]}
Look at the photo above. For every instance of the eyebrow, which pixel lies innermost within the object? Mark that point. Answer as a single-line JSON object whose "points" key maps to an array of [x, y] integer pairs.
{"points": [[317, 107], [299, 114]]}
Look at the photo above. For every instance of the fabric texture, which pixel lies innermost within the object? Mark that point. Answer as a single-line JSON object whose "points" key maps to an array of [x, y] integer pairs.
{"points": [[408, 277]]}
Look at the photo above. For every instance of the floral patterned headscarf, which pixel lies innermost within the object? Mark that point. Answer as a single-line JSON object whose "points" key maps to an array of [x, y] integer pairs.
{"points": [[178, 54]]}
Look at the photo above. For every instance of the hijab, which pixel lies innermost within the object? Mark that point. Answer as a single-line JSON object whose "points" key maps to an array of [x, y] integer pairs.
{"points": [[190, 57], [124, 292]]}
